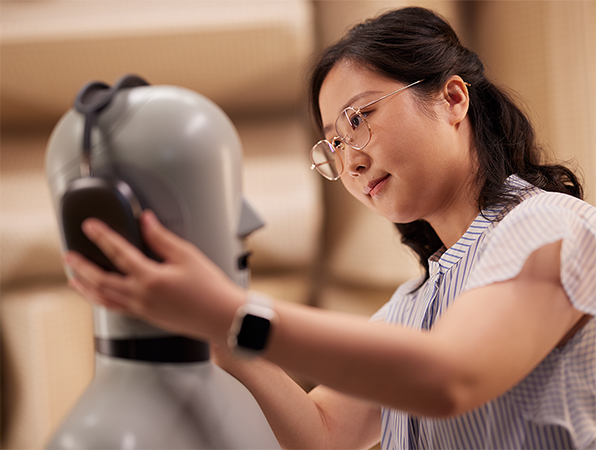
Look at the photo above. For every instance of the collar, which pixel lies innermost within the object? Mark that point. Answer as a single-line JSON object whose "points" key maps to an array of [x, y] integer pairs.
{"points": [[444, 259]]}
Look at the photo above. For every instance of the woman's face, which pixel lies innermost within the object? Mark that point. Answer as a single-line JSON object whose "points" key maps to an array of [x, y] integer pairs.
{"points": [[417, 162]]}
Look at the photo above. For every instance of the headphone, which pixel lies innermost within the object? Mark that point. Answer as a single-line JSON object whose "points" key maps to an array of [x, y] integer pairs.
{"points": [[113, 201], [109, 199]]}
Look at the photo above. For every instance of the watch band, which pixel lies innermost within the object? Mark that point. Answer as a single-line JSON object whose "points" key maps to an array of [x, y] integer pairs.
{"points": [[251, 327]]}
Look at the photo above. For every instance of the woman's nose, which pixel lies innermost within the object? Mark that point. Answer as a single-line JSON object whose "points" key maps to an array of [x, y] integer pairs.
{"points": [[356, 161]]}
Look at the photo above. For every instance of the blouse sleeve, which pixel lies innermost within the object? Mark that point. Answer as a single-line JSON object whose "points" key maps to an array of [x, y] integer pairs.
{"points": [[538, 221]]}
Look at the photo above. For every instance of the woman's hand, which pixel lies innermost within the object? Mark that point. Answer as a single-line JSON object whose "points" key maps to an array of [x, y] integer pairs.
{"points": [[186, 293]]}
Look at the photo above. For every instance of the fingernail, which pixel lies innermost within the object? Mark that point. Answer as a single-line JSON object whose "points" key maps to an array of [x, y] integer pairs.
{"points": [[149, 217], [67, 258], [89, 228], [69, 271]]}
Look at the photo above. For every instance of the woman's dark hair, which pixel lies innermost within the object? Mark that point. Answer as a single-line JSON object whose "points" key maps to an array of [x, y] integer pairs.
{"points": [[414, 43]]}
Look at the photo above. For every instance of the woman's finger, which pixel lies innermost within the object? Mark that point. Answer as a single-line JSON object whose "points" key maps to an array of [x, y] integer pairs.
{"points": [[125, 256], [90, 294], [162, 241], [96, 278]]}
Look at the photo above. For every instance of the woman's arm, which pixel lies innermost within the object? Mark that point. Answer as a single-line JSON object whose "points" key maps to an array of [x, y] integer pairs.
{"points": [[485, 343]]}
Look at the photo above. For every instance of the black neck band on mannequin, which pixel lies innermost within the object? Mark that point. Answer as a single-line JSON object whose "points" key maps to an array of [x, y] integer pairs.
{"points": [[167, 349]]}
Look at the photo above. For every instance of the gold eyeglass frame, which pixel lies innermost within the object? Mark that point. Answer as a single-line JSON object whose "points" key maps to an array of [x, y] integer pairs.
{"points": [[349, 112]]}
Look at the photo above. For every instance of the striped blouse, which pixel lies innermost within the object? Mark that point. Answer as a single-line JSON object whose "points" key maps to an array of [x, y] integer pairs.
{"points": [[555, 405]]}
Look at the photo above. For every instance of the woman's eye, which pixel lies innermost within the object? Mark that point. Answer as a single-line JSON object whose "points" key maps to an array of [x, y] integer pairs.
{"points": [[356, 121]]}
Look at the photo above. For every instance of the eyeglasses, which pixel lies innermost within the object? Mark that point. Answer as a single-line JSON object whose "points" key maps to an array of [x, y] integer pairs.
{"points": [[352, 129]]}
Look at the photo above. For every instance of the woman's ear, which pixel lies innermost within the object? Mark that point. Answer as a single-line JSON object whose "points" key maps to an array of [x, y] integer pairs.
{"points": [[455, 93]]}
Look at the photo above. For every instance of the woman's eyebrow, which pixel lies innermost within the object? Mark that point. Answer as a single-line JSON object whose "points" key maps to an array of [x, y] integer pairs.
{"points": [[358, 97], [350, 102]]}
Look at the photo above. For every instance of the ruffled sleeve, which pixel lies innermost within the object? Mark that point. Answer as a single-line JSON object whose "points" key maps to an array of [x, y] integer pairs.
{"points": [[538, 221]]}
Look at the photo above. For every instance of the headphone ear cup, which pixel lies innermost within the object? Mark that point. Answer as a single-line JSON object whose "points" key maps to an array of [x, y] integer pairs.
{"points": [[111, 201]]}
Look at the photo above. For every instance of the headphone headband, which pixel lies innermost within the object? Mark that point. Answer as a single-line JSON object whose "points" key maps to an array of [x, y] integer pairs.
{"points": [[92, 99]]}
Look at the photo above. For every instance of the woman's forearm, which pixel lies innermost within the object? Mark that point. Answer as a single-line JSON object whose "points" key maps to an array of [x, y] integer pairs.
{"points": [[293, 416], [323, 418], [391, 365]]}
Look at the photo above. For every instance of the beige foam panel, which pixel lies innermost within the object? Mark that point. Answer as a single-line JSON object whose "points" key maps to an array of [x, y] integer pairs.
{"points": [[334, 18], [244, 55], [47, 361], [353, 299], [292, 287], [29, 242], [545, 52], [284, 191]]}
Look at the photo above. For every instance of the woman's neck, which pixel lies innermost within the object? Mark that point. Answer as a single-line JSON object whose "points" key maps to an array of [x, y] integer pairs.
{"points": [[454, 218]]}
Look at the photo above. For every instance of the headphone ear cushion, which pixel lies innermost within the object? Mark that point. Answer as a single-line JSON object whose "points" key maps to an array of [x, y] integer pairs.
{"points": [[113, 202]]}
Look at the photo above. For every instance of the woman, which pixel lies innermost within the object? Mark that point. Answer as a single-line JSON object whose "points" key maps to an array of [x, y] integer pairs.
{"points": [[494, 348]]}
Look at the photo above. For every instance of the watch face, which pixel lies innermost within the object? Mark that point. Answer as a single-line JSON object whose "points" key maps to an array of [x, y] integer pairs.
{"points": [[253, 332]]}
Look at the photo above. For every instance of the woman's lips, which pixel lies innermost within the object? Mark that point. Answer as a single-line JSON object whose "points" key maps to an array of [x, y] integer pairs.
{"points": [[375, 186]]}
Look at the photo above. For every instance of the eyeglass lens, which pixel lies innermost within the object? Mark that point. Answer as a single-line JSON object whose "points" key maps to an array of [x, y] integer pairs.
{"points": [[352, 128], [325, 159]]}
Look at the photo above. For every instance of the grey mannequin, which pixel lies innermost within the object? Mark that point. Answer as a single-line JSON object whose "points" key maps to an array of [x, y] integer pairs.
{"points": [[182, 157]]}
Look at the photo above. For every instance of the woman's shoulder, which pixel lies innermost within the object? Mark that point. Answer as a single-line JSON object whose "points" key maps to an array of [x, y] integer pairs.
{"points": [[537, 208], [541, 219], [530, 198], [554, 201]]}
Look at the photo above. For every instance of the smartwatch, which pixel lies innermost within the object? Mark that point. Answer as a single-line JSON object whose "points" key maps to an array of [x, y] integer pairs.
{"points": [[252, 326]]}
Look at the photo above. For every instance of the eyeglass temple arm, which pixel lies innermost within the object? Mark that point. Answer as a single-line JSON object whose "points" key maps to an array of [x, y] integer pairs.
{"points": [[390, 94]]}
